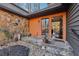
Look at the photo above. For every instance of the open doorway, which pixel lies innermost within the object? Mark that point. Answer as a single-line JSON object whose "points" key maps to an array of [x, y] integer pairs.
{"points": [[57, 25]]}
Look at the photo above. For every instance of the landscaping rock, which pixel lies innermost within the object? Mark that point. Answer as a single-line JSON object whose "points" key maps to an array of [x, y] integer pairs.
{"points": [[16, 50], [33, 40], [48, 54], [39, 48]]}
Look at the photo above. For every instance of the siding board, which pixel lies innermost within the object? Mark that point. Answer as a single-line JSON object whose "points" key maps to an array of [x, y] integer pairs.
{"points": [[73, 10], [75, 46], [74, 15], [73, 23]]}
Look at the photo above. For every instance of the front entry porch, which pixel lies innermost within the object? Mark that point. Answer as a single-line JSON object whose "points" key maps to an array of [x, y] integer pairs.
{"points": [[51, 26]]}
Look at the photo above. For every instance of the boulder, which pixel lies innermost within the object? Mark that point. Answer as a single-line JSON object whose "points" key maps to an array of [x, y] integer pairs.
{"points": [[17, 50]]}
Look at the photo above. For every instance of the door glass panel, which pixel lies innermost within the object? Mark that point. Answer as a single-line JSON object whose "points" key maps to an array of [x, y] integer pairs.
{"points": [[56, 26], [44, 26]]}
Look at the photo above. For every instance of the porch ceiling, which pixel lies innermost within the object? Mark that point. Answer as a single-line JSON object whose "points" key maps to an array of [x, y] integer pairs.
{"points": [[49, 10], [13, 8], [43, 12]]}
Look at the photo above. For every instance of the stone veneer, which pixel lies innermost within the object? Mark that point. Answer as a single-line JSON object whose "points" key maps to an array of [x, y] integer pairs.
{"points": [[13, 22]]}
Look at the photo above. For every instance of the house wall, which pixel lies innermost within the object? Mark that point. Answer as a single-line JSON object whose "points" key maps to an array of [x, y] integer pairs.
{"points": [[35, 25], [8, 22], [73, 23]]}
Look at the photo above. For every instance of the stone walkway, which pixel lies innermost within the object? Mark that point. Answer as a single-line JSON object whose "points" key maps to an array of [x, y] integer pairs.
{"points": [[37, 48]]}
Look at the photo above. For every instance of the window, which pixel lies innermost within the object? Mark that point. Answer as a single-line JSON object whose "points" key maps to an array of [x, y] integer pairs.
{"points": [[45, 25], [31, 7]]}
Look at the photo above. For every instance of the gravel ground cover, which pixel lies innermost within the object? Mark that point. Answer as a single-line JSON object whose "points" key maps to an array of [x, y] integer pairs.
{"points": [[25, 48]]}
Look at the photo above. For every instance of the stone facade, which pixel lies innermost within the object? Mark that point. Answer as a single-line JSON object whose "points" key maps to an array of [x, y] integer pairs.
{"points": [[12, 22]]}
